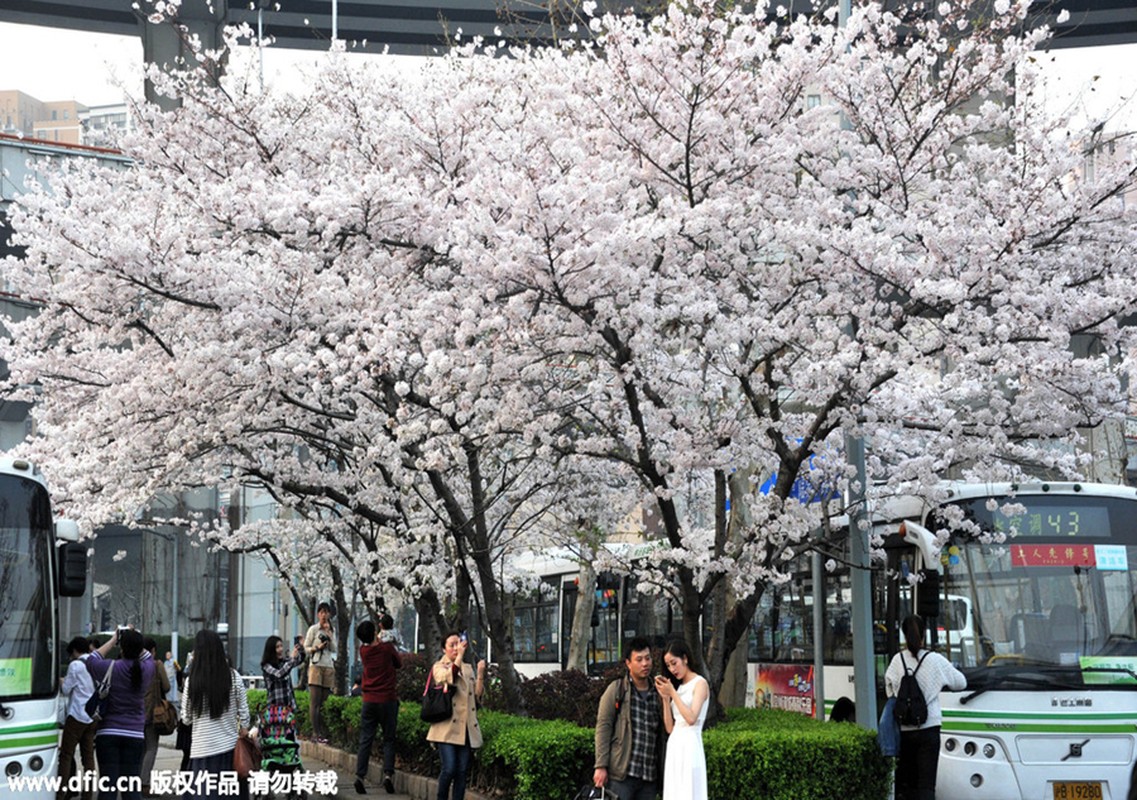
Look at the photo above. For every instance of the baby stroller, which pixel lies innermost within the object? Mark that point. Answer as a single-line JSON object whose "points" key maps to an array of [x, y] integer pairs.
{"points": [[280, 751]]}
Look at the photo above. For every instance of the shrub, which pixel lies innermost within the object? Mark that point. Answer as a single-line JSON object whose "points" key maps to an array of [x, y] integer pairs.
{"points": [[411, 677], [341, 719], [569, 695], [533, 759], [780, 755], [775, 755]]}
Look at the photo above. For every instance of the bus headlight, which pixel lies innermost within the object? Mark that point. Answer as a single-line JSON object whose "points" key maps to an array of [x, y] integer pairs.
{"points": [[35, 763], [989, 750], [950, 744], [969, 749], [976, 780], [13, 769]]}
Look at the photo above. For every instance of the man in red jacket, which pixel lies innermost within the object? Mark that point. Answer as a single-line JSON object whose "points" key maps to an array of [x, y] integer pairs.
{"points": [[380, 700]]}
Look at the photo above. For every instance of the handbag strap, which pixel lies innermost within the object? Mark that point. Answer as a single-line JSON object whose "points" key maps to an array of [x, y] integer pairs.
{"points": [[108, 679], [445, 687]]}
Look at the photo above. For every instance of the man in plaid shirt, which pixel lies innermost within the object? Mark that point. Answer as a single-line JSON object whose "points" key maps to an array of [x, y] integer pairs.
{"points": [[629, 734]]}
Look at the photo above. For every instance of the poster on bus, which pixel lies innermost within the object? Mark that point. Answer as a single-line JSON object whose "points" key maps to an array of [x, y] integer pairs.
{"points": [[785, 686]]}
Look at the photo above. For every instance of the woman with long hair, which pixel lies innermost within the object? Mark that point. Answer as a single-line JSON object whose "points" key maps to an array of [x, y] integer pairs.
{"points": [[918, 762], [459, 736], [215, 707], [684, 696], [119, 739], [278, 729]]}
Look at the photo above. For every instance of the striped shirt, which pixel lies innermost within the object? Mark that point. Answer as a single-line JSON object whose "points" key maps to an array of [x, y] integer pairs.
{"points": [[212, 737]]}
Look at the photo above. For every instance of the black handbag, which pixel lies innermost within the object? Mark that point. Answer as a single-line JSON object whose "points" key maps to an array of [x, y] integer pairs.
{"points": [[96, 706], [437, 702]]}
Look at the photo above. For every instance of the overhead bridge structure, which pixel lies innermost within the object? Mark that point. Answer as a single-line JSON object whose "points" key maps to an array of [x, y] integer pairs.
{"points": [[424, 28]]}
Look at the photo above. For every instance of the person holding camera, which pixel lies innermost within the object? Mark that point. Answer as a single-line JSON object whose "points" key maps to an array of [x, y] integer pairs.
{"points": [[459, 736], [120, 737], [320, 645], [280, 705]]}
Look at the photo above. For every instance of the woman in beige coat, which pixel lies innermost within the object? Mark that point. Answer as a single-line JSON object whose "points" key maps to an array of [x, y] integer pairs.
{"points": [[460, 735]]}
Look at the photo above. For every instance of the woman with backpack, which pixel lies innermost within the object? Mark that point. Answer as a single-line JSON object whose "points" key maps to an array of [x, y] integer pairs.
{"points": [[918, 710]]}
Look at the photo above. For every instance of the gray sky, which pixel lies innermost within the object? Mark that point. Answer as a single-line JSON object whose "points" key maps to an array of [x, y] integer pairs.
{"points": [[60, 64], [1091, 78]]}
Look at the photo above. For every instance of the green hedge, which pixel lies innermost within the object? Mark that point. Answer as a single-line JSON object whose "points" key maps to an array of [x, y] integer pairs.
{"points": [[774, 755], [780, 755]]}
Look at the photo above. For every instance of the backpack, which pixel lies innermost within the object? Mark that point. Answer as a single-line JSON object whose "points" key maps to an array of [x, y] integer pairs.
{"points": [[911, 708]]}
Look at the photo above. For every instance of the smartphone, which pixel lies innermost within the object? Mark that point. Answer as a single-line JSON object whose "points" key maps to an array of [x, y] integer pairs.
{"points": [[464, 637], [297, 641]]}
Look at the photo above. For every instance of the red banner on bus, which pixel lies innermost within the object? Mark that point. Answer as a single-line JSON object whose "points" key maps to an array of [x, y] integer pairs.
{"points": [[1053, 555]]}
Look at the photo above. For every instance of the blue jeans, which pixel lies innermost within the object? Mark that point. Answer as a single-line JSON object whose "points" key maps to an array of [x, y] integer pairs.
{"points": [[455, 765], [120, 757], [633, 789], [386, 716]]}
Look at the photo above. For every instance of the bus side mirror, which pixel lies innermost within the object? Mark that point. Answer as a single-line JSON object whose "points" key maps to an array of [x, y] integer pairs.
{"points": [[928, 597], [72, 569]]}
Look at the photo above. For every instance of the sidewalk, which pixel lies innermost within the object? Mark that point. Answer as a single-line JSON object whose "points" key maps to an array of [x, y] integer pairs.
{"points": [[316, 758], [321, 758]]}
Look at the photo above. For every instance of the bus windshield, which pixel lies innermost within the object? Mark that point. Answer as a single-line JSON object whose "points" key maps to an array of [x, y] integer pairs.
{"points": [[27, 666], [1057, 594]]}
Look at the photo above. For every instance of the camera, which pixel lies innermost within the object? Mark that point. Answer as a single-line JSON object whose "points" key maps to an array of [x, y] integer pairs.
{"points": [[323, 637]]}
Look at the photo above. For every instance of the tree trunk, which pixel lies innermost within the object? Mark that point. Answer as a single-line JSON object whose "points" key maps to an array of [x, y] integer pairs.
{"points": [[500, 632], [431, 623], [343, 632], [581, 633]]}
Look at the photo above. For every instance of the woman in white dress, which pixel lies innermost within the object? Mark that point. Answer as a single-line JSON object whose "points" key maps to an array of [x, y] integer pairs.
{"points": [[684, 711]]}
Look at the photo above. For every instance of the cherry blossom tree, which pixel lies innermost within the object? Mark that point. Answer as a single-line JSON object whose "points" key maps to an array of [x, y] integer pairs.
{"points": [[648, 271]]}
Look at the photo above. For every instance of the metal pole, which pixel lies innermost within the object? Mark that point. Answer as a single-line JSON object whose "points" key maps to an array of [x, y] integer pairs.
{"points": [[174, 632], [335, 20], [818, 636], [864, 669]]}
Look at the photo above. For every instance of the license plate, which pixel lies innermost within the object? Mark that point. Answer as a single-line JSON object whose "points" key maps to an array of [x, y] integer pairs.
{"points": [[1077, 790]]}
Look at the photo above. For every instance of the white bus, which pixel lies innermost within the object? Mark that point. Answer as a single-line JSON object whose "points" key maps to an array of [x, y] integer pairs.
{"points": [[37, 566], [1050, 650]]}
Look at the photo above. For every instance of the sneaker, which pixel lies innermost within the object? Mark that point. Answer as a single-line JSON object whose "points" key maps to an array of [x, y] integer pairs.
{"points": [[359, 787], [389, 785]]}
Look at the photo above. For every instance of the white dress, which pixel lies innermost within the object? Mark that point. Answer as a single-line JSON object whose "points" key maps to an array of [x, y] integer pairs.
{"points": [[685, 768]]}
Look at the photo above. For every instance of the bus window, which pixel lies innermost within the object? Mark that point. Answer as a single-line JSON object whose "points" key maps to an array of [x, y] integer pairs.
{"points": [[535, 624]]}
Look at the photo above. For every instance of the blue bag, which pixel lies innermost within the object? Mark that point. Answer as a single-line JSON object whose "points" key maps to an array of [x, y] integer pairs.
{"points": [[888, 730]]}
